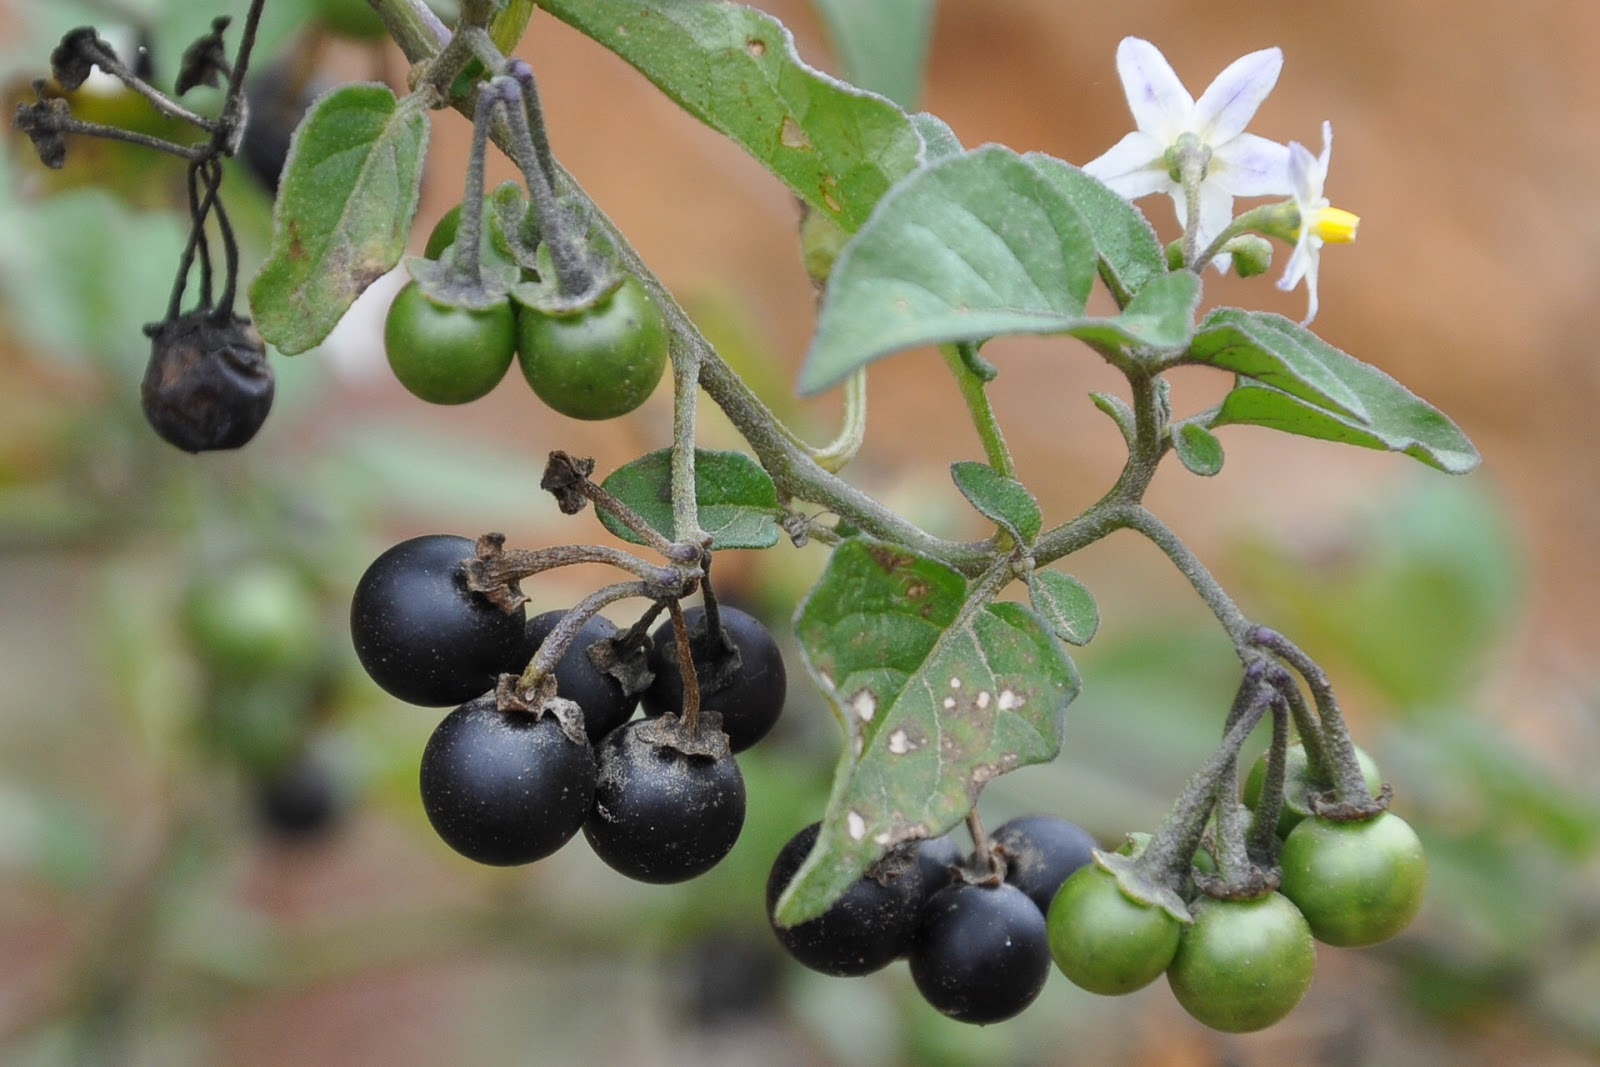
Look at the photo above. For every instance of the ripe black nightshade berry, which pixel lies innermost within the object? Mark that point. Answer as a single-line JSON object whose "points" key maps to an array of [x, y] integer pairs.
{"points": [[1041, 853], [299, 800], [936, 856], [660, 815], [208, 384], [502, 787], [745, 686], [867, 928], [422, 635], [981, 953], [606, 705]]}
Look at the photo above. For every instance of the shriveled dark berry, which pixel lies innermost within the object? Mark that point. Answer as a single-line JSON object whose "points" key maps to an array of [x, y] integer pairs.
{"points": [[746, 684], [208, 385], [1041, 853], [660, 815], [422, 634], [867, 928], [502, 787]]}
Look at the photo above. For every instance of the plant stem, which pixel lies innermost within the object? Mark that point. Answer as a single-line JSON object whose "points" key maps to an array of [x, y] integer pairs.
{"points": [[1209, 589], [978, 406], [836, 454]]}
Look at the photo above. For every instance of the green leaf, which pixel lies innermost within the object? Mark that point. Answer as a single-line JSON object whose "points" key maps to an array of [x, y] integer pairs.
{"points": [[1246, 343], [937, 694], [882, 44], [1397, 420], [1005, 500], [939, 141], [344, 210], [1066, 606], [1198, 448], [737, 501], [965, 249], [1160, 315], [1130, 254], [735, 69]]}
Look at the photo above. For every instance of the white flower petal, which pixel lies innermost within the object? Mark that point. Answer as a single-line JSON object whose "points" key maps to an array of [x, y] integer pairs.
{"points": [[1134, 166], [1303, 266], [1327, 149], [1251, 166], [1305, 176], [1160, 104], [1230, 102], [1216, 213]]}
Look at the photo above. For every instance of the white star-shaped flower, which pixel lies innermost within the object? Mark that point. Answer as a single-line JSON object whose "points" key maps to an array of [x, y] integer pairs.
{"points": [[1319, 223], [1236, 163]]}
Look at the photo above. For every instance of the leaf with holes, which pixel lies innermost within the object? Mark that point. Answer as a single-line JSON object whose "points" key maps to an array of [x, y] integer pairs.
{"points": [[344, 210], [1005, 500], [1066, 606], [738, 503], [735, 69], [938, 693], [967, 248]]}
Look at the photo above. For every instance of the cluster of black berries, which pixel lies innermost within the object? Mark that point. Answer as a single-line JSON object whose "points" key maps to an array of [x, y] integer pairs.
{"points": [[972, 928], [660, 799]]}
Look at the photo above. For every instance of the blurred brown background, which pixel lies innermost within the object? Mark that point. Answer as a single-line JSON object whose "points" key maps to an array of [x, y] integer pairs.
{"points": [[1467, 138]]}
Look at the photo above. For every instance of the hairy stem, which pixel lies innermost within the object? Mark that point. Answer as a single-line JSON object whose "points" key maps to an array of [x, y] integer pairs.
{"points": [[976, 397]]}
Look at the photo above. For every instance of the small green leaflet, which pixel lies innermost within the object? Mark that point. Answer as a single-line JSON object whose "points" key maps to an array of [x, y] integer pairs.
{"points": [[937, 694], [344, 209], [735, 69], [1160, 315], [1130, 254], [1198, 448], [1396, 419], [1005, 500], [939, 141], [738, 503], [882, 44], [1066, 606], [967, 248]]}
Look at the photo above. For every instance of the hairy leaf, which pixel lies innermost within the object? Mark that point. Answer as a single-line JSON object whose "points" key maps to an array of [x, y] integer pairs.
{"points": [[1066, 606], [737, 501], [937, 693], [1198, 448], [1245, 342], [1130, 254], [1005, 500], [965, 249], [1397, 420], [735, 69], [344, 209], [1160, 315]]}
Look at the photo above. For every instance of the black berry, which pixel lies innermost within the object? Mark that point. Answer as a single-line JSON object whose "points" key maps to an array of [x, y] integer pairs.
{"points": [[299, 800], [422, 635], [606, 705], [208, 384], [981, 953], [867, 928], [1041, 852], [744, 682], [502, 787], [936, 856], [660, 815]]}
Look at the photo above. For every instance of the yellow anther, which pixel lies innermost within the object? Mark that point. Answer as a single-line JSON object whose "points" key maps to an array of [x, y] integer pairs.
{"points": [[1335, 225]]}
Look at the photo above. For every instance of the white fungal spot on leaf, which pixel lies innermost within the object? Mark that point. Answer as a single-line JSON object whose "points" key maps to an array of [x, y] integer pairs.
{"points": [[899, 743], [949, 702], [857, 825], [955, 683], [983, 698], [1009, 700], [864, 704]]}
